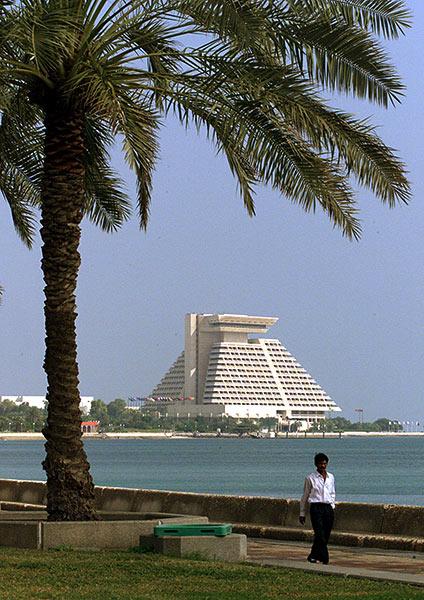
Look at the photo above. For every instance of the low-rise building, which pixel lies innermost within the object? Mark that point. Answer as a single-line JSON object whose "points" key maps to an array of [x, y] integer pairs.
{"points": [[90, 426]]}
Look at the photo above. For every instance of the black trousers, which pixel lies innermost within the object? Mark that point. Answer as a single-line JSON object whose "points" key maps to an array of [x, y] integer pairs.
{"points": [[322, 519]]}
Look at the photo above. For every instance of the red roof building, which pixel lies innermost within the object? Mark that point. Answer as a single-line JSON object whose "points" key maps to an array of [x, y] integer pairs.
{"points": [[90, 426]]}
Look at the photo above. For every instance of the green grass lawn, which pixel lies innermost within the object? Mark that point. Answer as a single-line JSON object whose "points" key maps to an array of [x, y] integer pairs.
{"points": [[109, 575]]}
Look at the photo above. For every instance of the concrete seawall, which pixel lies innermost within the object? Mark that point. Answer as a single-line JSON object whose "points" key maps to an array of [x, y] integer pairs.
{"points": [[257, 510], [358, 518]]}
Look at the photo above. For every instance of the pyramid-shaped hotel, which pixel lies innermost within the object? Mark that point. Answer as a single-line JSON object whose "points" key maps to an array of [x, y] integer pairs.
{"points": [[223, 371]]}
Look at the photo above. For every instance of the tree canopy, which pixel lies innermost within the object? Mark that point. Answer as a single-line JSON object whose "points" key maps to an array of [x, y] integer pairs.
{"points": [[249, 72]]}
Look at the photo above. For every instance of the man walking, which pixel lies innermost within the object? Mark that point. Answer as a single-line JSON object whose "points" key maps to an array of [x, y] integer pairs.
{"points": [[320, 493]]}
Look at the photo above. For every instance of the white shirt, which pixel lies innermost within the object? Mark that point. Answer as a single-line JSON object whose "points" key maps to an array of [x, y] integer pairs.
{"points": [[318, 489]]}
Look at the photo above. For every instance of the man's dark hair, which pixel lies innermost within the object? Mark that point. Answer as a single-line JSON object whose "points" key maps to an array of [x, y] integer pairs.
{"points": [[320, 457]]}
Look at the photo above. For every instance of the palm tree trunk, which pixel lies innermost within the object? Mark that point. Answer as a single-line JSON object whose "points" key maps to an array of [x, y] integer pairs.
{"points": [[70, 489]]}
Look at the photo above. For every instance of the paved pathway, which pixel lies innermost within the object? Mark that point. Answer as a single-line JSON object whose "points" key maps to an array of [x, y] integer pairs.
{"points": [[387, 565]]}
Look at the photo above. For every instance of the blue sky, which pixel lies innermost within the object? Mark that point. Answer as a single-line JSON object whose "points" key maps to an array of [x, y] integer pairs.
{"points": [[351, 313]]}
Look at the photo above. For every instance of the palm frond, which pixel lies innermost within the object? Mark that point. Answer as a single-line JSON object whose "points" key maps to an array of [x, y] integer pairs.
{"points": [[388, 18], [49, 32], [339, 57], [353, 144], [243, 22], [106, 96], [161, 56], [21, 155], [330, 131], [324, 40], [289, 164], [138, 128], [20, 194], [274, 155], [22, 138], [106, 202]]}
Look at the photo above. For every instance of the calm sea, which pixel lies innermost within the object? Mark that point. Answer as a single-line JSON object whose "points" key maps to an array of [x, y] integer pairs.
{"points": [[367, 470]]}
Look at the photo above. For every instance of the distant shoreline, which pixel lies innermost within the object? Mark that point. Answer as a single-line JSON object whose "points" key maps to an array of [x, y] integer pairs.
{"points": [[22, 436]]}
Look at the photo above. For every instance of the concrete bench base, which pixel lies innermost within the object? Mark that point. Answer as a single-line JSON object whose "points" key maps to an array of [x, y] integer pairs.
{"points": [[43, 535], [231, 548]]}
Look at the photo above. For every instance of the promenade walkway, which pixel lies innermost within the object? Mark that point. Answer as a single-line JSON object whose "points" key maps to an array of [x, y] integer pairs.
{"points": [[383, 565]]}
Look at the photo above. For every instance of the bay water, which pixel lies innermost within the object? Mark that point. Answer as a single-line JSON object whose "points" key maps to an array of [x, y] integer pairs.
{"points": [[375, 469]]}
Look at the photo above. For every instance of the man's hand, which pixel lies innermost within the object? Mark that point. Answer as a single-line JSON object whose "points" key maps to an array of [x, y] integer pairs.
{"points": [[302, 520]]}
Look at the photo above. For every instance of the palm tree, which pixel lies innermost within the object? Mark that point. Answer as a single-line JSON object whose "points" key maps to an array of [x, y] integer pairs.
{"points": [[77, 75]]}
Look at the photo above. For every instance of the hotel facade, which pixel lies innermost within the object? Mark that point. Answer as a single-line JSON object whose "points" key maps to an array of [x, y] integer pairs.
{"points": [[223, 371]]}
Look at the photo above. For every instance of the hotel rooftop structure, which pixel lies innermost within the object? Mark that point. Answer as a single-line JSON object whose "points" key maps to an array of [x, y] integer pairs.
{"points": [[222, 371]]}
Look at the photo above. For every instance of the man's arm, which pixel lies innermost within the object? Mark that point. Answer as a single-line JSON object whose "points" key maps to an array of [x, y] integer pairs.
{"points": [[333, 493], [306, 491]]}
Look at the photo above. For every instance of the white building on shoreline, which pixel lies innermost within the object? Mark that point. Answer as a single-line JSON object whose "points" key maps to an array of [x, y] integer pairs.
{"points": [[39, 401], [224, 372]]}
